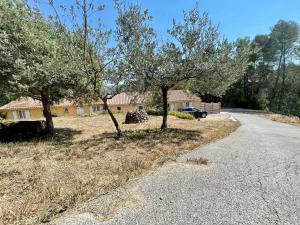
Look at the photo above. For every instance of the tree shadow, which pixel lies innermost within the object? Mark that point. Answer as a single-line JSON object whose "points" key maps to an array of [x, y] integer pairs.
{"points": [[62, 136], [147, 139]]}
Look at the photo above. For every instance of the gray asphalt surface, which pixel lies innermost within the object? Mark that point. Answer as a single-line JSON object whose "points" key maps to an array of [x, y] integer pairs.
{"points": [[253, 178]]}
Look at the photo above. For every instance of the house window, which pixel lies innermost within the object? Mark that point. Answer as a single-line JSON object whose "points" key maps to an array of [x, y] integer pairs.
{"points": [[97, 108], [118, 108], [66, 110], [21, 115], [141, 107]]}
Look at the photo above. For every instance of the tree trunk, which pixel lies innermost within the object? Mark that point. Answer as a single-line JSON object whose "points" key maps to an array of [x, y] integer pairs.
{"points": [[113, 118], [164, 90], [274, 94], [283, 80], [246, 86], [47, 112]]}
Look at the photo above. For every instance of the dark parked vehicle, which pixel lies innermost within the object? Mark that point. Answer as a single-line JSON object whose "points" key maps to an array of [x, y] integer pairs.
{"points": [[197, 113]]}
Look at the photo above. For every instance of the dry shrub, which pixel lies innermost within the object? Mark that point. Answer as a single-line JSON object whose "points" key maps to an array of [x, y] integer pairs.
{"points": [[198, 161], [294, 120]]}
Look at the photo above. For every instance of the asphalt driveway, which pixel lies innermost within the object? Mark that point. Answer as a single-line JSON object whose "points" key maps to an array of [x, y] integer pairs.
{"points": [[253, 178]]}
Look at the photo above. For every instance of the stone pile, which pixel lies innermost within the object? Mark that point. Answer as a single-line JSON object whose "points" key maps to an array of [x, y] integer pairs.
{"points": [[137, 116]]}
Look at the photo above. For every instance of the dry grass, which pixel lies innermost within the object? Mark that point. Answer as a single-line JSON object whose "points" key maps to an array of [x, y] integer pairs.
{"points": [[294, 120], [42, 178]]}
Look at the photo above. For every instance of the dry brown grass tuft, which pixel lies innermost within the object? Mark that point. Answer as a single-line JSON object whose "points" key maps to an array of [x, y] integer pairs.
{"points": [[294, 120], [42, 178], [198, 161]]}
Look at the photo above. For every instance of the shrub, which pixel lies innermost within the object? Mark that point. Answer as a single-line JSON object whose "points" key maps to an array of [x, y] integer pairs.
{"points": [[181, 115], [2, 117], [154, 112]]}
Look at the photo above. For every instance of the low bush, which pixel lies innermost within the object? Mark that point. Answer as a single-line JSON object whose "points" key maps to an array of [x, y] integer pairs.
{"points": [[2, 117], [154, 112], [181, 115]]}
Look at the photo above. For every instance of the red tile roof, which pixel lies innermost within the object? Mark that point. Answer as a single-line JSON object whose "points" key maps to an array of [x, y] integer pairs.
{"points": [[30, 103], [181, 96], [126, 99], [120, 99], [22, 103]]}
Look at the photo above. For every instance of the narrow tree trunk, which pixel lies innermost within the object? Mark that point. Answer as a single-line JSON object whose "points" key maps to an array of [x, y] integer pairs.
{"points": [[47, 112], [273, 96], [283, 80], [164, 90], [113, 118], [246, 86], [85, 26]]}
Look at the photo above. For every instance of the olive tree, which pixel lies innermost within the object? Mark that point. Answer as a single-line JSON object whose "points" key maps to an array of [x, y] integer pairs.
{"points": [[197, 55], [108, 62], [35, 65]]}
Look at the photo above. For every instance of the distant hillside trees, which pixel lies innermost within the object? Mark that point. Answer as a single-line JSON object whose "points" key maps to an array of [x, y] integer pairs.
{"points": [[272, 80]]}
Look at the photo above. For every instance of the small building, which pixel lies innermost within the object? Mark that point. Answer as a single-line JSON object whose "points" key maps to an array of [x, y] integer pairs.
{"points": [[178, 99], [26, 108]]}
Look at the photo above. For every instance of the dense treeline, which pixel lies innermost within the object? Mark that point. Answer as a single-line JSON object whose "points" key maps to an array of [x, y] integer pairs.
{"points": [[70, 55], [272, 80]]}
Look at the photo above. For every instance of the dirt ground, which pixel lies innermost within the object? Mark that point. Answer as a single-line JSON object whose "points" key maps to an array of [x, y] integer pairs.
{"points": [[40, 179]]}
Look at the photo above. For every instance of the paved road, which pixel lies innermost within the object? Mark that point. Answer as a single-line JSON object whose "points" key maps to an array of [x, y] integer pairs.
{"points": [[253, 178]]}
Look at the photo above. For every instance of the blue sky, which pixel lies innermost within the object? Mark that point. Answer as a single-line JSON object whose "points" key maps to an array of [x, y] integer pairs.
{"points": [[237, 18]]}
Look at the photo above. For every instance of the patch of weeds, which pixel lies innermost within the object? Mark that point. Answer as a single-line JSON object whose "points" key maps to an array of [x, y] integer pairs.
{"points": [[199, 161], [50, 211], [11, 173], [37, 158]]}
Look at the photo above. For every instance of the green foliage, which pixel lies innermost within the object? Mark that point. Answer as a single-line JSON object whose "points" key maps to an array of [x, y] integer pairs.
{"points": [[181, 115], [272, 79], [35, 64], [195, 56], [154, 112], [2, 117], [153, 100], [262, 99], [35, 61]]}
